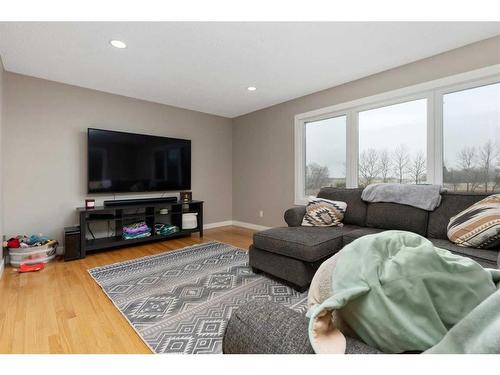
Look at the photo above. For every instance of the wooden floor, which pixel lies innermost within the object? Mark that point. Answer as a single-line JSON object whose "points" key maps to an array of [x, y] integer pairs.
{"points": [[62, 310]]}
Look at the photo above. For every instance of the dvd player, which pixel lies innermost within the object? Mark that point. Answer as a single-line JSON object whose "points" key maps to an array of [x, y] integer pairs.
{"points": [[141, 201]]}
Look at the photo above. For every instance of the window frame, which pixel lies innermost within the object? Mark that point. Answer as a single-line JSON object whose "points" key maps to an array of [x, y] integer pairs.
{"points": [[438, 104], [433, 91], [300, 147], [409, 98]]}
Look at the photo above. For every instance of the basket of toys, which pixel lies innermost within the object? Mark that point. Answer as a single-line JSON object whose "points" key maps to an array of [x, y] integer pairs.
{"points": [[31, 250]]}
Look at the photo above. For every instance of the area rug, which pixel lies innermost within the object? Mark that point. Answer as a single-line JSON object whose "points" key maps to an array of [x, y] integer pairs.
{"points": [[181, 301]]}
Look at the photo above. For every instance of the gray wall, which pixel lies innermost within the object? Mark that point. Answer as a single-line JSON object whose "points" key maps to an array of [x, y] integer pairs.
{"points": [[45, 124], [263, 151]]}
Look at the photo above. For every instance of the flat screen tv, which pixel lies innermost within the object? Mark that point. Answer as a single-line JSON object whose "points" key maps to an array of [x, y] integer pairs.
{"points": [[121, 162]]}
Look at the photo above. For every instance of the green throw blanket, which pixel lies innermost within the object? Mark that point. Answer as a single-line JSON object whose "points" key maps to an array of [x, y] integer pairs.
{"points": [[478, 332], [398, 293]]}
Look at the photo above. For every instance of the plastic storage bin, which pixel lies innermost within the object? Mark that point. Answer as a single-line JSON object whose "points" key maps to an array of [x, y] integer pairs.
{"points": [[189, 220], [31, 255]]}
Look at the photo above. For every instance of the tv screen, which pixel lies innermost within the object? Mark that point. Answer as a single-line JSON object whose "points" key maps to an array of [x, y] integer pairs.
{"points": [[121, 162]]}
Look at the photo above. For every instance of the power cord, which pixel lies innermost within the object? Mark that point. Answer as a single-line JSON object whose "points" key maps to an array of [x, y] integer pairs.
{"points": [[90, 230]]}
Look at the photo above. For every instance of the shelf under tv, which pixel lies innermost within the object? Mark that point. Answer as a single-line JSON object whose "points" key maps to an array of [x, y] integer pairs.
{"points": [[119, 216]]}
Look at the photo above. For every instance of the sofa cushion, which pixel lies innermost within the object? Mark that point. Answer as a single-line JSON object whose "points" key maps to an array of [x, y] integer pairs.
{"points": [[477, 226], [322, 212], [357, 233], [293, 216], [356, 207], [451, 204], [487, 258], [304, 243], [397, 217], [294, 272], [260, 327]]}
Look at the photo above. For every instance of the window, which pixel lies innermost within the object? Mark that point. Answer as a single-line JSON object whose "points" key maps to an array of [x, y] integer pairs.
{"points": [[392, 143], [471, 138], [325, 154], [444, 132]]}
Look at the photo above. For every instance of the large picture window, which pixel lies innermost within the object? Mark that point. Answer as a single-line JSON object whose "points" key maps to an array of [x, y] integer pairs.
{"points": [[471, 137], [392, 144], [325, 154], [444, 132]]}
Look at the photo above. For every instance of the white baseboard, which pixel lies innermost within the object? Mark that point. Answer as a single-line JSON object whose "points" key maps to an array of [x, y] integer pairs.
{"points": [[235, 223], [249, 225], [219, 224], [2, 266]]}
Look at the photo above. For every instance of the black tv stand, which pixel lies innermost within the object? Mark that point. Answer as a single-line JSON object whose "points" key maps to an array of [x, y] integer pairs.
{"points": [[145, 201], [151, 212]]}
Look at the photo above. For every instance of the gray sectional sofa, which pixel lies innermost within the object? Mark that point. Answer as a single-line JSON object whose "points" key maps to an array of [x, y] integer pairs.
{"points": [[294, 253]]}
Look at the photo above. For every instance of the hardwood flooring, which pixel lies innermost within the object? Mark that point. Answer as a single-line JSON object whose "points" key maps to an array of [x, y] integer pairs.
{"points": [[62, 310]]}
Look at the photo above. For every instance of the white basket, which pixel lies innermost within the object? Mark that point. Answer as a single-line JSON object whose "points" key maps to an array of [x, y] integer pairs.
{"points": [[189, 220], [32, 261], [32, 255], [30, 249]]}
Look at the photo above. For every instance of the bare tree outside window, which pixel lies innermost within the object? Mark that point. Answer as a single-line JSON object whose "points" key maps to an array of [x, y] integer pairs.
{"points": [[417, 168], [497, 179], [317, 176], [401, 163], [467, 163], [450, 177], [471, 139], [476, 168], [487, 156], [385, 165], [325, 154], [392, 142], [369, 166], [375, 166]]}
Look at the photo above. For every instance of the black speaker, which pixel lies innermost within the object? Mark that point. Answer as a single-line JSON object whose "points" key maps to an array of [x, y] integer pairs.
{"points": [[72, 243]]}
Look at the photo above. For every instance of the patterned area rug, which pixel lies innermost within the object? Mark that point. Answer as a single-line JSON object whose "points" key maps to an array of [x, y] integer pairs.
{"points": [[180, 301]]}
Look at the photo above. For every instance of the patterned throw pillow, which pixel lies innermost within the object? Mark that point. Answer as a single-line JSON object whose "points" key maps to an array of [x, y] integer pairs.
{"points": [[324, 213], [477, 226]]}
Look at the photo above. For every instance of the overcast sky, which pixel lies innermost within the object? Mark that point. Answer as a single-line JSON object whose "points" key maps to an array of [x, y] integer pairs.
{"points": [[471, 118]]}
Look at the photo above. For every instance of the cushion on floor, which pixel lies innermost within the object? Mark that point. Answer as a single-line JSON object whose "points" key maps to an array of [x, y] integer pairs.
{"points": [[305, 243]]}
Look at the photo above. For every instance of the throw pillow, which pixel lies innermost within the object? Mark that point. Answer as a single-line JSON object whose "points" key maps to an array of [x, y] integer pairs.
{"points": [[324, 213], [477, 226]]}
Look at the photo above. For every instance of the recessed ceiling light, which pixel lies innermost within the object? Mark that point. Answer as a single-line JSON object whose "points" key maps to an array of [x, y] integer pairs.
{"points": [[251, 88], [118, 44]]}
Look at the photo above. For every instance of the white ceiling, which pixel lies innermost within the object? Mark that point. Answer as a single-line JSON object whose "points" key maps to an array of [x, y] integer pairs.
{"points": [[208, 66]]}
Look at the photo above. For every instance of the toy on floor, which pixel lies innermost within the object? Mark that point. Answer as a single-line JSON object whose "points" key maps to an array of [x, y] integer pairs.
{"points": [[30, 267], [25, 241]]}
